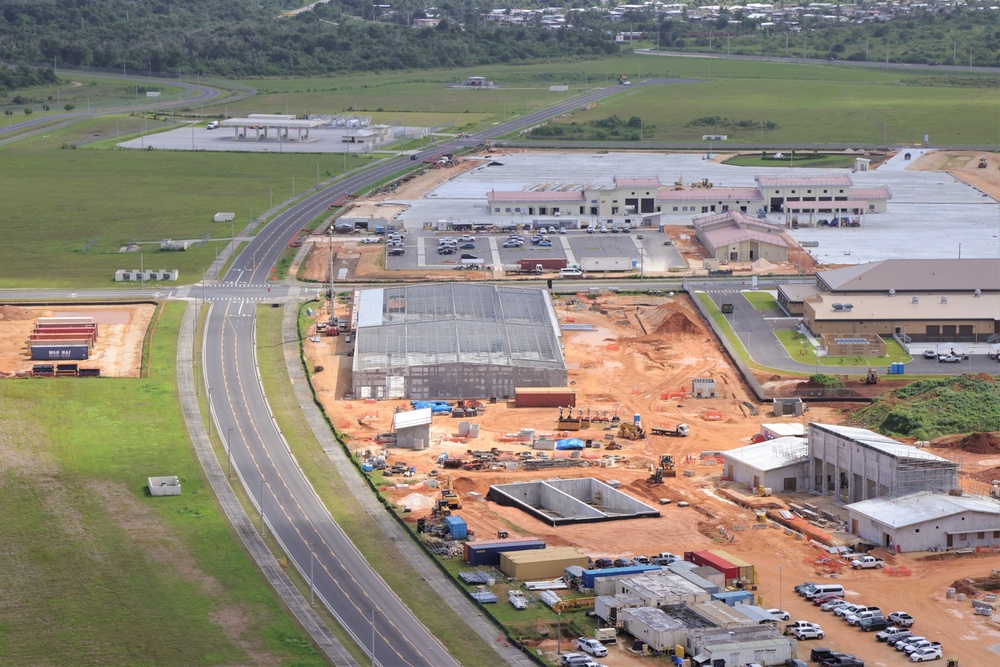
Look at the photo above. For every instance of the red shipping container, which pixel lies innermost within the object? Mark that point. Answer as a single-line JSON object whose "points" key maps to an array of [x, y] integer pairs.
{"points": [[730, 571], [544, 397]]}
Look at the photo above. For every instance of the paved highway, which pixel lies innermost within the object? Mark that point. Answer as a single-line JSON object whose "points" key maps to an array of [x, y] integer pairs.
{"points": [[344, 581]]}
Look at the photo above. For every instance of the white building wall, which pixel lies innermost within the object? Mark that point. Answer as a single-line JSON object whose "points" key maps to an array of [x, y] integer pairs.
{"points": [[751, 477], [968, 530]]}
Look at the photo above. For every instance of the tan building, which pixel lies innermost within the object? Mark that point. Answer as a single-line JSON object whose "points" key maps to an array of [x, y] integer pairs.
{"points": [[737, 237], [781, 192], [540, 563], [932, 300]]}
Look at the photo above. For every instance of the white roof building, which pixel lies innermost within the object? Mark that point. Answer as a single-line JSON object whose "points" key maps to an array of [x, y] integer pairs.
{"points": [[413, 428], [927, 521], [780, 464]]}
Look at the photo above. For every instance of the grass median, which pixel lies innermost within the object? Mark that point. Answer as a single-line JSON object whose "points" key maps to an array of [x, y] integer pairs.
{"points": [[336, 495], [99, 572]]}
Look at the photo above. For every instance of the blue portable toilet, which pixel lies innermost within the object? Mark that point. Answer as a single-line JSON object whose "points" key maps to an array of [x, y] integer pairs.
{"points": [[637, 419]]}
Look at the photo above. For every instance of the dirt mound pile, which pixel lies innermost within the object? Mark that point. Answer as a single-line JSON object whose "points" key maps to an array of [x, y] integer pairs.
{"points": [[12, 313], [963, 586], [979, 443], [678, 323]]}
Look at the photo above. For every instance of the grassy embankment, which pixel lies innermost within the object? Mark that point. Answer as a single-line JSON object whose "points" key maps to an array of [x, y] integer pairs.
{"points": [[467, 648], [99, 572]]}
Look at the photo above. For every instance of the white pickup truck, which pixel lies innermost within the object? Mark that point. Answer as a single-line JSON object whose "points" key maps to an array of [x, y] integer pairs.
{"points": [[867, 563]]}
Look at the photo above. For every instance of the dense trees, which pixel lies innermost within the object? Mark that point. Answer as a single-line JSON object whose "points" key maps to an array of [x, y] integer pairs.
{"points": [[12, 78], [245, 39]]}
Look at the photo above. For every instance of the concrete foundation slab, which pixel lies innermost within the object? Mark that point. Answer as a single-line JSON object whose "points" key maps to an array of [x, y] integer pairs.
{"points": [[566, 501]]}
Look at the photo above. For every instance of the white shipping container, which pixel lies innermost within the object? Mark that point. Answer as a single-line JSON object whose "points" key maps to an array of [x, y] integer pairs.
{"points": [[606, 263]]}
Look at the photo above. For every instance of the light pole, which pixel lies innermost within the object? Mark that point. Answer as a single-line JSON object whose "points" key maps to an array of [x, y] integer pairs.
{"points": [[779, 586], [229, 453], [374, 611], [559, 634], [210, 412]]}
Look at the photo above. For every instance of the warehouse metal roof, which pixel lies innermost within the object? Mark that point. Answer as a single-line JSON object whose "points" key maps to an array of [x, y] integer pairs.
{"points": [[411, 418], [901, 307], [474, 323], [772, 454], [917, 508], [886, 445], [915, 275]]}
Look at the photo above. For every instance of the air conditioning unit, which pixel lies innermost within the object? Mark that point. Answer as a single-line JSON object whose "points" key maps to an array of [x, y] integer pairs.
{"points": [[838, 306]]}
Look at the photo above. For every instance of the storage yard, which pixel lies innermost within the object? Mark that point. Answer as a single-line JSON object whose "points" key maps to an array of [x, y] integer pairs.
{"points": [[95, 341], [630, 355]]}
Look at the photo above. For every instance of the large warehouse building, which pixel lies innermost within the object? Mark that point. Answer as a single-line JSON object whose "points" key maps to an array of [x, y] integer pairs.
{"points": [[455, 340]]}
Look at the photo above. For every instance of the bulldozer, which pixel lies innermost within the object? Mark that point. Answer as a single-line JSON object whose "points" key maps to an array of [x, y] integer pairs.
{"points": [[982, 163], [872, 377], [631, 431], [665, 469]]}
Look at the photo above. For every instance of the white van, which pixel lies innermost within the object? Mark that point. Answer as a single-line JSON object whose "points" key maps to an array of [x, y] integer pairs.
{"points": [[570, 273], [825, 589]]}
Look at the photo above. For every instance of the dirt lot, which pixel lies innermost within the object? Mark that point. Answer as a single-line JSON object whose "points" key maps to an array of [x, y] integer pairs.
{"points": [[641, 349], [963, 165], [118, 352]]}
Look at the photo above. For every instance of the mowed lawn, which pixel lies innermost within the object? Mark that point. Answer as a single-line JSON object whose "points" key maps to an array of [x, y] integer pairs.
{"points": [[96, 572], [67, 212]]}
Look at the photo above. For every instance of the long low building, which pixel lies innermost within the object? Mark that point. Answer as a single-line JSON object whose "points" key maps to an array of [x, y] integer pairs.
{"points": [[738, 237], [927, 521], [781, 464]]}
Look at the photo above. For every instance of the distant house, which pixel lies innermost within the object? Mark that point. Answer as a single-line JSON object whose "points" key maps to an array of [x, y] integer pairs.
{"points": [[426, 23]]}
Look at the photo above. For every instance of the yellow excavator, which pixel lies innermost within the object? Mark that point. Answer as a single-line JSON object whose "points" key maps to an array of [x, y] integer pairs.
{"points": [[665, 469]]}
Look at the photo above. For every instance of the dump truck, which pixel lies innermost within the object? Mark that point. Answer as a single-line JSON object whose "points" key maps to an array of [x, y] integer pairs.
{"points": [[679, 431]]}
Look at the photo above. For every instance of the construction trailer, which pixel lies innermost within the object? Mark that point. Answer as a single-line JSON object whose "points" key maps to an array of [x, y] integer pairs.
{"points": [[487, 553], [528, 565], [729, 570], [544, 397]]}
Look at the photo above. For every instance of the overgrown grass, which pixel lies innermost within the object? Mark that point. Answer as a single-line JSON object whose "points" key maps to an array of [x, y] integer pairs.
{"points": [[378, 550], [99, 572], [930, 408], [799, 159]]}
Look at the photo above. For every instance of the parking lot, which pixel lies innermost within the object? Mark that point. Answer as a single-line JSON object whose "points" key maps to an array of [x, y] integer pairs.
{"points": [[643, 247]]}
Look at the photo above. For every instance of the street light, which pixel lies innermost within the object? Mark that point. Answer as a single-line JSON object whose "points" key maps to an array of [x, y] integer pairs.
{"points": [[559, 635], [312, 559], [210, 412], [260, 501], [229, 452], [374, 611], [779, 586]]}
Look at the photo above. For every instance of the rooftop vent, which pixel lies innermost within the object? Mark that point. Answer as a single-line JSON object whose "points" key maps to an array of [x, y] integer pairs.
{"points": [[892, 292], [838, 306], [978, 293], [944, 299], [848, 307], [916, 299]]}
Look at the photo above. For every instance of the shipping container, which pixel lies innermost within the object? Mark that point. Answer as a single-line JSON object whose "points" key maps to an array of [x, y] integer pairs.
{"points": [[589, 576], [483, 553], [547, 263], [53, 352], [542, 564], [607, 264], [746, 569], [730, 571], [456, 527], [544, 397]]}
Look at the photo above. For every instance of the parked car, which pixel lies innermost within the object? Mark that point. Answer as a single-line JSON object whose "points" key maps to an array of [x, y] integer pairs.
{"points": [[466, 237], [906, 641], [552, 230], [604, 563], [567, 658], [857, 617], [603, 229], [591, 230], [545, 244], [623, 562], [468, 255], [800, 624], [848, 609], [668, 242], [447, 242], [780, 614], [830, 605], [512, 244], [807, 633], [927, 653], [371, 239], [818, 654], [873, 624], [795, 662], [867, 563], [920, 645], [801, 588], [467, 246], [826, 597], [901, 619], [949, 359], [591, 646], [843, 661], [396, 251], [640, 560], [929, 354], [447, 250], [892, 634], [562, 230]]}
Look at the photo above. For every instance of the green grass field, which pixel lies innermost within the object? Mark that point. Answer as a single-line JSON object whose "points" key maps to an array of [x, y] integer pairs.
{"points": [[466, 647], [98, 572], [762, 301], [800, 350], [57, 200], [791, 161]]}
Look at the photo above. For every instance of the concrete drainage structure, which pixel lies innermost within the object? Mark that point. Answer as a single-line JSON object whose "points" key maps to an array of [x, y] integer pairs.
{"points": [[560, 502]]}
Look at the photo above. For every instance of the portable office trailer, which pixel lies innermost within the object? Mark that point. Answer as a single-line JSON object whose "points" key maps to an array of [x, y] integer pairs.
{"points": [[733, 598], [487, 553], [540, 564], [591, 576], [746, 569]]}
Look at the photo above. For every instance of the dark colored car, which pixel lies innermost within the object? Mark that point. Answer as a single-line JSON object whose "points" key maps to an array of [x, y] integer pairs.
{"points": [[467, 246], [396, 251], [623, 562], [873, 624], [466, 255], [604, 563], [795, 662], [818, 654]]}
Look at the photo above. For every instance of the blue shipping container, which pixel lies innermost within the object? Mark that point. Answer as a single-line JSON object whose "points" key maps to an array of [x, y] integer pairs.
{"points": [[456, 527], [57, 352], [488, 553], [589, 576]]}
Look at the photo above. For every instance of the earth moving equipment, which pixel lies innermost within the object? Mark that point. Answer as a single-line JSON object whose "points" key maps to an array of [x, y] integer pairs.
{"points": [[665, 469], [679, 431], [982, 163], [449, 499], [872, 377], [570, 423], [612, 445], [631, 431]]}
